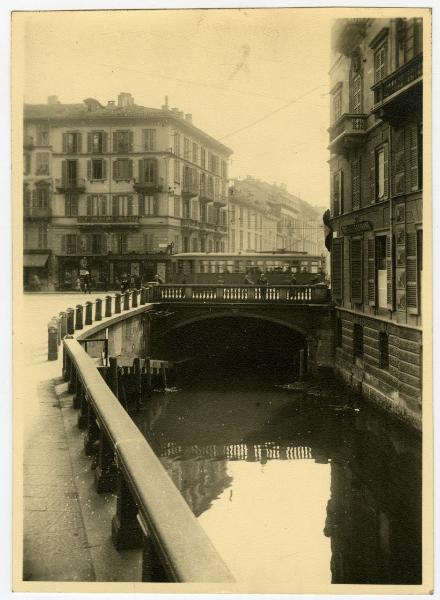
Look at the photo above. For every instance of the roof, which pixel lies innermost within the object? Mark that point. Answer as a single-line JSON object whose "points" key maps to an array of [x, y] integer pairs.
{"points": [[71, 112]]}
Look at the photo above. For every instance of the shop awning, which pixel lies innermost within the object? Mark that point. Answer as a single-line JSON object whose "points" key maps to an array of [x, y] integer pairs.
{"points": [[35, 260]]}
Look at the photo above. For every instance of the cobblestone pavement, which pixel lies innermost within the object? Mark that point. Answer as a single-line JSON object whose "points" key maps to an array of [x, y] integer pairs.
{"points": [[66, 535]]}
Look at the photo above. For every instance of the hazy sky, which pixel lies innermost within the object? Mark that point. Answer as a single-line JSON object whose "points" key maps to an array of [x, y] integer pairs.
{"points": [[256, 79]]}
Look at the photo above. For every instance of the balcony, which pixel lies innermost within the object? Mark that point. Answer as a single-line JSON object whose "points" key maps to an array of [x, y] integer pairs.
{"points": [[190, 190], [401, 91], [190, 224], [223, 229], [221, 201], [347, 133], [208, 227], [112, 220], [33, 213], [70, 184], [205, 195], [146, 187]]}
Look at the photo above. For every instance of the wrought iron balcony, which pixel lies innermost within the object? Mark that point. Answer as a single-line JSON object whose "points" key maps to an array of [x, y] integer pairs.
{"points": [[146, 187], [190, 190], [205, 195], [221, 201], [348, 131], [207, 227], [401, 89], [70, 184], [125, 220], [190, 224], [32, 212]]}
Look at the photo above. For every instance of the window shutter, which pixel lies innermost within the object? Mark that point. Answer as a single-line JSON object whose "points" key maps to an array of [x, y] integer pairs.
{"points": [[337, 256], [27, 197], [130, 169], [398, 161], [141, 169], [74, 205], [89, 142], [79, 143], [390, 272], [413, 157], [88, 243], [372, 271], [130, 206], [89, 169], [145, 139], [355, 184], [63, 244], [130, 137], [64, 142], [64, 171], [154, 170], [115, 142], [141, 201], [356, 270], [89, 205], [115, 173], [34, 197], [411, 273], [115, 206], [385, 172], [372, 176], [104, 141], [104, 168]]}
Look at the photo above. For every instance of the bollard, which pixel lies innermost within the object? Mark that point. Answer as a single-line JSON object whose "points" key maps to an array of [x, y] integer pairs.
{"points": [[70, 321], [79, 317], [126, 300], [89, 313], [117, 303], [143, 298], [134, 299], [63, 324], [98, 309], [52, 339], [108, 306]]}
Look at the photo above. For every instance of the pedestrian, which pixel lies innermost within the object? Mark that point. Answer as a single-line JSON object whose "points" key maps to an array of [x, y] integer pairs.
{"points": [[293, 279], [124, 283], [35, 283], [87, 283], [263, 282], [248, 280], [158, 279]]}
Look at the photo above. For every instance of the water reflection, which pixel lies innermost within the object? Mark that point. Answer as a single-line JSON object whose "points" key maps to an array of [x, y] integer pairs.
{"points": [[323, 492]]}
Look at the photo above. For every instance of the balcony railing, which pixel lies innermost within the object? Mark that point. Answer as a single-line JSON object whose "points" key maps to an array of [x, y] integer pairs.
{"points": [[190, 190], [348, 131], [108, 219], [205, 195], [66, 184], [146, 186], [190, 224], [32, 212], [401, 80], [205, 225], [221, 201]]}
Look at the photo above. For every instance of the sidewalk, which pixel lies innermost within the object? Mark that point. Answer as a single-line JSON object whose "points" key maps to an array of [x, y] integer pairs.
{"points": [[67, 525]]}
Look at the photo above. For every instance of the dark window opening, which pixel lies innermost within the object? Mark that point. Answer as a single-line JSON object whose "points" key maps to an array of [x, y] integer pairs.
{"points": [[338, 333], [383, 350], [358, 341]]}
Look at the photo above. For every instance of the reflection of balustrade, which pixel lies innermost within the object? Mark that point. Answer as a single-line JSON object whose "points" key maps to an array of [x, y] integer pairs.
{"points": [[296, 294], [247, 452]]}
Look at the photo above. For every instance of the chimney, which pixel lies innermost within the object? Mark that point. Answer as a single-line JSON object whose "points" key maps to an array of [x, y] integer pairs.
{"points": [[189, 117], [165, 106], [51, 100], [125, 99], [111, 103]]}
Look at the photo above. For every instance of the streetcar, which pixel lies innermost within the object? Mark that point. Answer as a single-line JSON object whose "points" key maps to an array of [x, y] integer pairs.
{"points": [[280, 268]]}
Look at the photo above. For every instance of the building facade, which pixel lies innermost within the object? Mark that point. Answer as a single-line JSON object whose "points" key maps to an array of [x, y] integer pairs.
{"points": [[112, 189], [264, 217], [376, 208]]}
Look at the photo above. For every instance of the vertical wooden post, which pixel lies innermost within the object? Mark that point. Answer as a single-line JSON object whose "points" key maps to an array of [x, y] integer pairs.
{"points": [[143, 298], [89, 313], [79, 317], [108, 306], [117, 303], [148, 374], [138, 381], [98, 309], [126, 532], [92, 435], [113, 381], [105, 471]]}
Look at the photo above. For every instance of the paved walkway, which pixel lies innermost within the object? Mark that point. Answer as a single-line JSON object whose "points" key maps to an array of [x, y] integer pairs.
{"points": [[67, 526]]}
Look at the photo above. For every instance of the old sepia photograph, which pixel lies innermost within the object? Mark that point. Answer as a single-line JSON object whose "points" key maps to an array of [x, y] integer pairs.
{"points": [[222, 362]]}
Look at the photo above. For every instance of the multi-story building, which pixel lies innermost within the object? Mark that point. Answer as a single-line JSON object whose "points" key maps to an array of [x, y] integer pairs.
{"points": [[376, 208], [264, 216], [111, 189]]}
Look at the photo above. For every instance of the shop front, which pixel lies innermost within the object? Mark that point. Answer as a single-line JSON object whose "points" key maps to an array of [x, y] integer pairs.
{"points": [[35, 270], [73, 269]]}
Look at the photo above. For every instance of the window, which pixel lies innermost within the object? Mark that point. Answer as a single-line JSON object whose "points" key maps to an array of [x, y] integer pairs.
{"points": [[380, 57], [356, 184], [215, 164], [42, 135], [414, 267], [71, 243], [203, 158], [97, 205], [176, 171], [186, 149], [71, 205], [42, 197], [122, 169], [356, 270], [96, 244], [185, 243], [149, 139], [42, 163], [209, 161], [356, 94], [42, 235], [224, 170], [71, 142], [384, 362], [122, 205], [176, 206], [97, 169], [398, 156], [70, 171], [177, 144], [338, 193], [195, 153], [97, 142], [121, 243], [337, 103], [195, 245], [381, 172], [241, 240], [122, 141], [358, 341], [148, 171], [338, 333], [150, 205], [26, 164]]}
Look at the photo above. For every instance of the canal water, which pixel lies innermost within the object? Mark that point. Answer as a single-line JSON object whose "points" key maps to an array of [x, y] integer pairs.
{"points": [[299, 487]]}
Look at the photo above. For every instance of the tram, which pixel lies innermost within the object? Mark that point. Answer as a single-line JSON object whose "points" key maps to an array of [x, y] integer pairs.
{"points": [[279, 267]]}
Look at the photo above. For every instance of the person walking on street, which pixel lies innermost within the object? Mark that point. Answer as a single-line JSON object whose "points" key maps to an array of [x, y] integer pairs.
{"points": [[263, 282], [248, 280], [87, 283]]}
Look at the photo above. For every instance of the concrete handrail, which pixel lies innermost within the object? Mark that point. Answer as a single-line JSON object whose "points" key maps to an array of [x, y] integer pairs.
{"points": [[184, 550]]}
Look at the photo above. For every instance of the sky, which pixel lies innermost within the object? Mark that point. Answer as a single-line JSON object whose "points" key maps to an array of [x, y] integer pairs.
{"points": [[256, 79]]}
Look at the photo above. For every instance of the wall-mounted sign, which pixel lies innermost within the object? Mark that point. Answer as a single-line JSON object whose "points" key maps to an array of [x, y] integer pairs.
{"points": [[356, 227]]}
